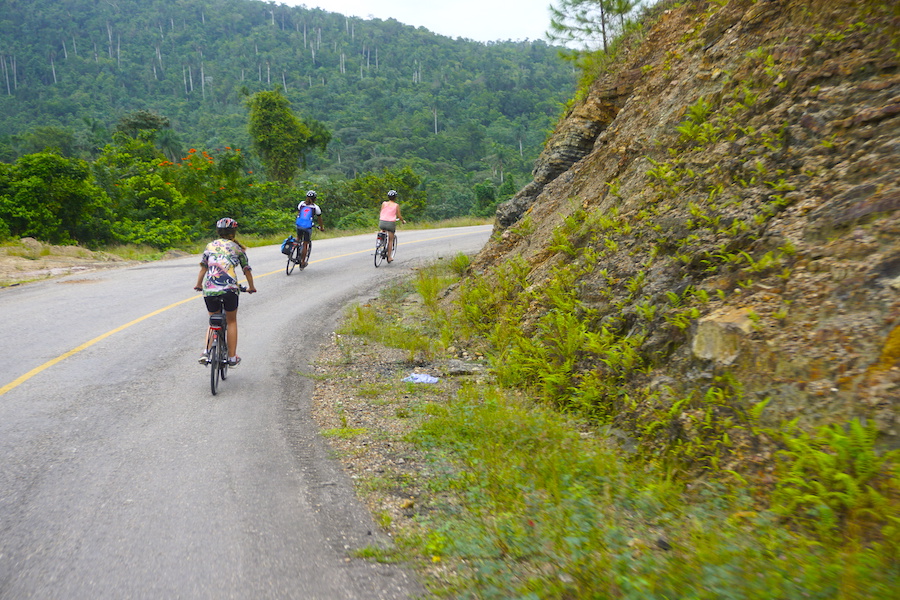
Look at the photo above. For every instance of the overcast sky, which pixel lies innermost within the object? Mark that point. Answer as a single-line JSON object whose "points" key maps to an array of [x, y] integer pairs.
{"points": [[481, 20]]}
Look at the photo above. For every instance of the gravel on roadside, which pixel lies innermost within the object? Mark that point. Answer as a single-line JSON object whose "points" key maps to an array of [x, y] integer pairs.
{"points": [[367, 413]]}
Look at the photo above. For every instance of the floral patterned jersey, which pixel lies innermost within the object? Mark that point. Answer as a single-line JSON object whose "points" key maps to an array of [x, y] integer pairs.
{"points": [[221, 257]]}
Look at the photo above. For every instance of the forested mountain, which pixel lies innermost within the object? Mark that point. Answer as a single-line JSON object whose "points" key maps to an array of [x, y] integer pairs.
{"points": [[457, 112]]}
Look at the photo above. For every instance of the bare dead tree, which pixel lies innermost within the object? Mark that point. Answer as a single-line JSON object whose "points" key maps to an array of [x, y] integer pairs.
{"points": [[5, 74], [109, 44]]}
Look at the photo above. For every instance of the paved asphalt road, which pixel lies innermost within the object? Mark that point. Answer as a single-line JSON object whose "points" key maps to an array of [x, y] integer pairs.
{"points": [[121, 476]]}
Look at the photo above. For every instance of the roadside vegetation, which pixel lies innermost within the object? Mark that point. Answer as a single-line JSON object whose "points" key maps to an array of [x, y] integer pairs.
{"points": [[532, 491], [35, 250]]}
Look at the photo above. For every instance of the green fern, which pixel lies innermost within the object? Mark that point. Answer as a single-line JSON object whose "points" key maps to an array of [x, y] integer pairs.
{"points": [[833, 477]]}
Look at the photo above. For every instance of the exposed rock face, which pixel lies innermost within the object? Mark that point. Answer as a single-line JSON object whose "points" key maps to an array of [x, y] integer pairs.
{"points": [[748, 156], [721, 335], [573, 139]]}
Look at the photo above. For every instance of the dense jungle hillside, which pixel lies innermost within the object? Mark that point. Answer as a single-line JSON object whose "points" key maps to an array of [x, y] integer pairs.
{"points": [[711, 233], [458, 112]]}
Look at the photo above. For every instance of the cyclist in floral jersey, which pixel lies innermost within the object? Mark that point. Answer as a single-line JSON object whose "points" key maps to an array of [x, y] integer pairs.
{"points": [[218, 282]]}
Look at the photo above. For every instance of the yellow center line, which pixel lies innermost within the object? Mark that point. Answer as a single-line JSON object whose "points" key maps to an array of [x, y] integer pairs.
{"points": [[23, 378], [20, 380]]}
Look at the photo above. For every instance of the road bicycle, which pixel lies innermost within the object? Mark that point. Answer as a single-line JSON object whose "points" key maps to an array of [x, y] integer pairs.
{"points": [[381, 247], [296, 256], [217, 348]]}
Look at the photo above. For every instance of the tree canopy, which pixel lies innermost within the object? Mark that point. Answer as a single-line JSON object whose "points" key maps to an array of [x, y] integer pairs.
{"points": [[281, 139], [391, 95]]}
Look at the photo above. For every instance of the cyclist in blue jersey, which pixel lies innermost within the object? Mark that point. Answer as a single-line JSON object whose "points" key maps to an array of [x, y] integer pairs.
{"points": [[218, 281], [307, 214]]}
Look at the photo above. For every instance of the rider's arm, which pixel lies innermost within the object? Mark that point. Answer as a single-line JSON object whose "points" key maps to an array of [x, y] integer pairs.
{"points": [[248, 273], [203, 270]]}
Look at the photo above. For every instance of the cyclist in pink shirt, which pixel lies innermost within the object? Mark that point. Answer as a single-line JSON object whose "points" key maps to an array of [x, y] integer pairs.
{"points": [[387, 220]]}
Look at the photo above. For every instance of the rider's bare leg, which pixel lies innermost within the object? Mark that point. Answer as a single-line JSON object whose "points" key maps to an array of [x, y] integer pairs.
{"points": [[231, 335]]}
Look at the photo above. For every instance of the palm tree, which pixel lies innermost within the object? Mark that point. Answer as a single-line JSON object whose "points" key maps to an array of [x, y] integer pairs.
{"points": [[170, 144]]}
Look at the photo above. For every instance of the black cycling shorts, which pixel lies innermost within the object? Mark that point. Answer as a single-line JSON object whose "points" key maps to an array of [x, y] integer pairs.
{"points": [[303, 234], [214, 303]]}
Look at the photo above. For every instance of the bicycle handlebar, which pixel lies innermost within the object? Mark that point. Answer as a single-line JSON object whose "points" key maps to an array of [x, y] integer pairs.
{"points": [[243, 288]]}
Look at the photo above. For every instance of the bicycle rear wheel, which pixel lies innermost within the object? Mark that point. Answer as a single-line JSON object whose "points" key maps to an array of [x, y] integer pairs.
{"points": [[379, 249], [223, 356], [214, 364], [292, 260]]}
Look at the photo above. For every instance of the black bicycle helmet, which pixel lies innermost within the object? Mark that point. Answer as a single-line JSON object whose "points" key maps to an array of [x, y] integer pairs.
{"points": [[310, 194]]}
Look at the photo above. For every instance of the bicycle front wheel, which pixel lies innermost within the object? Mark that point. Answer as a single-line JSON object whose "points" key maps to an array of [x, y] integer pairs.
{"points": [[292, 260], [214, 364]]}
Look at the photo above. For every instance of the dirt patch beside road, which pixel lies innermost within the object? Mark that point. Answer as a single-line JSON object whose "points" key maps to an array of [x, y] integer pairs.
{"points": [[30, 260]]}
